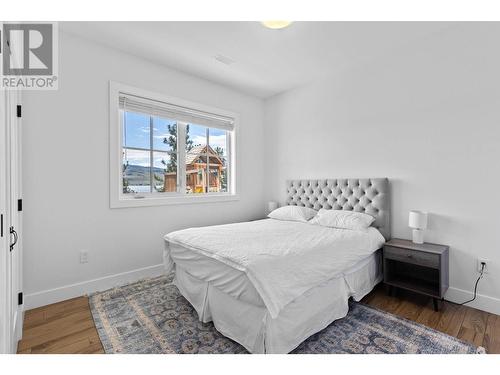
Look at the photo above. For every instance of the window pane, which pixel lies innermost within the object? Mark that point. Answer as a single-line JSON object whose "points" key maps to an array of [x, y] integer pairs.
{"points": [[214, 178], [136, 171], [196, 136], [218, 146], [164, 134], [216, 171], [165, 172], [218, 141], [196, 159], [223, 176], [136, 130]]}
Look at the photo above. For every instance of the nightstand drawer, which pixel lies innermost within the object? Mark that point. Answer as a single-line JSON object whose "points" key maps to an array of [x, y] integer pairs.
{"points": [[412, 256]]}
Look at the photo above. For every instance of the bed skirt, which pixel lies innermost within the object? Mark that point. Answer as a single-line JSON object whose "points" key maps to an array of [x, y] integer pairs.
{"points": [[253, 327]]}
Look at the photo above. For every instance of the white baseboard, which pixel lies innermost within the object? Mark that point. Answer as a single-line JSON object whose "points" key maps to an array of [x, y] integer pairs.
{"points": [[482, 302], [46, 297]]}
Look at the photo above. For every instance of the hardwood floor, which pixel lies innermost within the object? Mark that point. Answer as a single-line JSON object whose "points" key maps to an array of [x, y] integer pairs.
{"points": [[475, 326], [68, 327], [64, 327]]}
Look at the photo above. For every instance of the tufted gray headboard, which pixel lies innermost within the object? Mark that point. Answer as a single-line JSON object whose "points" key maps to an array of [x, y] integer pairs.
{"points": [[368, 195]]}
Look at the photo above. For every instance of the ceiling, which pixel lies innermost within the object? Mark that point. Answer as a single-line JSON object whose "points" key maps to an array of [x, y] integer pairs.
{"points": [[251, 58]]}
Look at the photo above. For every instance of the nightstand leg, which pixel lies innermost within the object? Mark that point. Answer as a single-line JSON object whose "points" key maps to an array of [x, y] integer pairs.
{"points": [[435, 302], [388, 289], [393, 291]]}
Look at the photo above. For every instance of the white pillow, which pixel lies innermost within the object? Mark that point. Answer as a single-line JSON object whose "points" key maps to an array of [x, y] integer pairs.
{"points": [[293, 213], [343, 219]]}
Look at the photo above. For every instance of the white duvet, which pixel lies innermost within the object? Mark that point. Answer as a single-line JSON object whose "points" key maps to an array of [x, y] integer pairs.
{"points": [[282, 259]]}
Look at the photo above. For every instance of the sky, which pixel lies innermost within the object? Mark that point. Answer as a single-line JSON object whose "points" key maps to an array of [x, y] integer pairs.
{"points": [[137, 134]]}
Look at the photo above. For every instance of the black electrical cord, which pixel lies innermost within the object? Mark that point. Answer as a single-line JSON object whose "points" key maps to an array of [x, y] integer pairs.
{"points": [[475, 286]]}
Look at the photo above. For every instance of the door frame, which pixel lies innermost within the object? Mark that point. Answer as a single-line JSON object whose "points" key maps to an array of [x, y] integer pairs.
{"points": [[16, 215], [5, 316], [11, 264]]}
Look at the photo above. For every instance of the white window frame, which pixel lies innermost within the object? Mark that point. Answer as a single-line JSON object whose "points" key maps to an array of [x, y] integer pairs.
{"points": [[118, 199]]}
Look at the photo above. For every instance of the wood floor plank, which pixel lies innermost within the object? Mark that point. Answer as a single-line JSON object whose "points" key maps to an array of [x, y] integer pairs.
{"points": [[56, 329], [491, 340], [75, 347], [373, 299], [452, 319], [49, 316], [34, 317], [383, 301], [473, 326], [53, 346], [66, 306], [92, 348], [411, 308], [60, 325], [430, 318]]}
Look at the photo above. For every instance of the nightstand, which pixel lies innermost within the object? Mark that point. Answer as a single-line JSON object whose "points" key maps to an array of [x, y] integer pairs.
{"points": [[421, 268]]}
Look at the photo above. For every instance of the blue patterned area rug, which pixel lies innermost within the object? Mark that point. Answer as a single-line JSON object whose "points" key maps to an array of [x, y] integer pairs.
{"points": [[151, 316]]}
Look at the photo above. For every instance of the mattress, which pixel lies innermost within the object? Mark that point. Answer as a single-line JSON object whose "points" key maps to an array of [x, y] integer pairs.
{"points": [[236, 283], [281, 259]]}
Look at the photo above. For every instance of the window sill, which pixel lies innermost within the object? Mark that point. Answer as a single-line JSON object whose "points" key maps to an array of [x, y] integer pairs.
{"points": [[172, 200]]}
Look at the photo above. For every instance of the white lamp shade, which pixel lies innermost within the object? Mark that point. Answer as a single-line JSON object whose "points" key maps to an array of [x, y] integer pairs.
{"points": [[417, 220], [271, 206]]}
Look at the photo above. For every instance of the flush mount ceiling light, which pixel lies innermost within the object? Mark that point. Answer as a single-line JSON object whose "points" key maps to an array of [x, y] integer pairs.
{"points": [[276, 24]]}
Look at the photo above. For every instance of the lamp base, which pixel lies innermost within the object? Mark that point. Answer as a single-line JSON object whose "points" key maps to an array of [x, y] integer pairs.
{"points": [[418, 236]]}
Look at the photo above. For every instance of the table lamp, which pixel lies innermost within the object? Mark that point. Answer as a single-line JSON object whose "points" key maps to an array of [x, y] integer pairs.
{"points": [[418, 222]]}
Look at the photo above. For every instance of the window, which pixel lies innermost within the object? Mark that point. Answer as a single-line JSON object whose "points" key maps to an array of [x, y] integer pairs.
{"points": [[165, 150]]}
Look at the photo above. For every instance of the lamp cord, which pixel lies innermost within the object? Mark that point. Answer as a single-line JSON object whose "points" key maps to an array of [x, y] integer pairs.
{"points": [[475, 286]]}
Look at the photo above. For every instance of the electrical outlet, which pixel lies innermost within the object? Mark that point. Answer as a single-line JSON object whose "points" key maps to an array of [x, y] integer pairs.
{"points": [[84, 256], [480, 266]]}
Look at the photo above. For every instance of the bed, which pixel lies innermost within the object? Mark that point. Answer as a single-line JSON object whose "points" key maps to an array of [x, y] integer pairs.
{"points": [[270, 284]]}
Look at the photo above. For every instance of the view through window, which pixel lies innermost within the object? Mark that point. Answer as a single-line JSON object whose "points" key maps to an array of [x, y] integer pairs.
{"points": [[152, 162]]}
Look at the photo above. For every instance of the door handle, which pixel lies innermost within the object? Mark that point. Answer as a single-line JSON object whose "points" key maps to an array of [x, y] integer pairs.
{"points": [[12, 231]]}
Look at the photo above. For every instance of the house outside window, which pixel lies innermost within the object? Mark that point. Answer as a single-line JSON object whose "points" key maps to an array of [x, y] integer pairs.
{"points": [[165, 150]]}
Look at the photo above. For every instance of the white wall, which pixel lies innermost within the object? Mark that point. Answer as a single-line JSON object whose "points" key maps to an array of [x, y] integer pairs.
{"points": [[427, 117], [66, 174]]}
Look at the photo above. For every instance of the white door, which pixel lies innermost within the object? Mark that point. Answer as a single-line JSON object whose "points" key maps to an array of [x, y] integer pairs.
{"points": [[15, 216], [4, 237], [10, 240]]}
